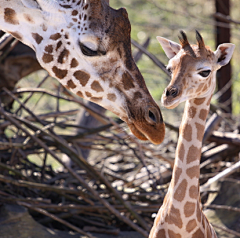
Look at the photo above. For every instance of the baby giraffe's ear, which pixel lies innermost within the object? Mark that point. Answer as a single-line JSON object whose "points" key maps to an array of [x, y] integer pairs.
{"points": [[170, 48], [224, 53]]}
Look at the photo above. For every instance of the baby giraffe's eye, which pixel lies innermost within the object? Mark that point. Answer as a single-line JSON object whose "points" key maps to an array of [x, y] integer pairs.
{"points": [[205, 73], [169, 70]]}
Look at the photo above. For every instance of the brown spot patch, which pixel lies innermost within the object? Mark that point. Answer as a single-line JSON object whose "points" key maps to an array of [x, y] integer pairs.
{"points": [[96, 86], [127, 81], [137, 95], [205, 87], [200, 131], [80, 94], [44, 27], [193, 172], [114, 60], [17, 35], [59, 73], [47, 58], [65, 6], [181, 151], [200, 88], [203, 222], [187, 132], [191, 225], [28, 18], [198, 234], [203, 114], [199, 214], [192, 112], [74, 12], [209, 101], [172, 234], [71, 84], [55, 36], [174, 217], [59, 44], [85, 7], [119, 52], [88, 94], [193, 192], [37, 38], [82, 77], [209, 231], [96, 99], [193, 153], [181, 191], [10, 16], [74, 63], [189, 209], [160, 234], [112, 97], [177, 173], [63, 56], [199, 101], [49, 49]]}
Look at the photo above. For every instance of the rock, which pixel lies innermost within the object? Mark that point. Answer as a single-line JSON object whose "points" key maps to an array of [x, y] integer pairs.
{"points": [[228, 194], [16, 222]]}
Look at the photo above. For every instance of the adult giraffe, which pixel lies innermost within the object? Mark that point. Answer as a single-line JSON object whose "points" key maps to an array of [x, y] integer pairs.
{"points": [[86, 45], [193, 69]]}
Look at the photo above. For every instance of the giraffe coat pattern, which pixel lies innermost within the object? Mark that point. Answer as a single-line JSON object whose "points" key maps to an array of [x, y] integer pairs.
{"points": [[86, 45]]}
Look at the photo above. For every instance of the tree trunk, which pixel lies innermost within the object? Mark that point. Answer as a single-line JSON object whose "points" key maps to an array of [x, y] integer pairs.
{"points": [[223, 36]]}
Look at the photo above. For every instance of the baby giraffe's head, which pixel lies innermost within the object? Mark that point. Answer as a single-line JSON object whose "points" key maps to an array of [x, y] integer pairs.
{"points": [[193, 68]]}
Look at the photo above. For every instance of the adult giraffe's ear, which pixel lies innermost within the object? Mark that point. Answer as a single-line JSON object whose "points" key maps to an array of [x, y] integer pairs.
{"points": [[224, 53], [170, 48]]}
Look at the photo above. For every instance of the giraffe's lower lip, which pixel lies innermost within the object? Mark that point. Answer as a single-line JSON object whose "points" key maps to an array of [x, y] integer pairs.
{"points": [[171, 104], [136, 132], [154, 135], [146, 123]]}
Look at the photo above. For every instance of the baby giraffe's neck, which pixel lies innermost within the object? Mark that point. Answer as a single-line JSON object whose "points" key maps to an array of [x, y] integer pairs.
{"points": [[181, 214]]}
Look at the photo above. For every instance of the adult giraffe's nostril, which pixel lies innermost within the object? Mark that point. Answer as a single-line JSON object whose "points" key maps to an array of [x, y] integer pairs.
{"points": [[171, 91], [153, 116]]}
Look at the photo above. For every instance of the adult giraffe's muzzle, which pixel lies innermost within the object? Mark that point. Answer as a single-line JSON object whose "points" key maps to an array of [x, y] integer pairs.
{"points": [[146, 123]]}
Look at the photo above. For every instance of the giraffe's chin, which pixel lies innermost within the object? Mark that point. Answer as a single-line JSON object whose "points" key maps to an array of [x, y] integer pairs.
{"points": [[149, 133], [137, 133], [170, 105]]}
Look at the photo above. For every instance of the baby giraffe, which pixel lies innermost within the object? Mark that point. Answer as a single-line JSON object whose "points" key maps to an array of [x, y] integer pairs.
{"points": [[193, 69]]}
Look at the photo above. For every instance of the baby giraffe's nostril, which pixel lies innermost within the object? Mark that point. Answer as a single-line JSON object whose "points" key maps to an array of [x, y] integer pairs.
{"points": [[167, 93], [172, 92]]}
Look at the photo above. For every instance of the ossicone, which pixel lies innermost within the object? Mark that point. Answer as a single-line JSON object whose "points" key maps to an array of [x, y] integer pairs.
{"points": [[185, 44], [200, 41]]}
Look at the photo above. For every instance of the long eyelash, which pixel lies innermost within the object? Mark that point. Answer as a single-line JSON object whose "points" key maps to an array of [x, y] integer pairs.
{"points": [[88, 52]]}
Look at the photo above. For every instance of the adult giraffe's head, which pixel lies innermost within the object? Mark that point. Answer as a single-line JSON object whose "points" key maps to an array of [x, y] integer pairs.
{"points": [[86, 45], [193, 68]]}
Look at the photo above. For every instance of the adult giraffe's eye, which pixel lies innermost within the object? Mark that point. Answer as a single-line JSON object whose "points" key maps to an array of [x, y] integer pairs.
{"points": [[204, 73], [89, 52]]}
